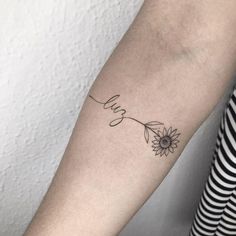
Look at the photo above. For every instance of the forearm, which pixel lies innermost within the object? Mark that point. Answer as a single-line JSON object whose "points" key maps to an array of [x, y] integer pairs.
{"points": [[172, 73]]}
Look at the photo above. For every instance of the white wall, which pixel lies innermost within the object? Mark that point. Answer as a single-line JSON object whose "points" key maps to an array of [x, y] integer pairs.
{"points": [[50, 52]]}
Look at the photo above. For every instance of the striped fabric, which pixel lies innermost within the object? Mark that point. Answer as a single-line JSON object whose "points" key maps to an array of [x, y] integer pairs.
{"points": [[216, 213]]}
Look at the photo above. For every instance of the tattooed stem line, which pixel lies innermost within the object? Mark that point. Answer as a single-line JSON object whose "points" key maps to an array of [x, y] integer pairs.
{"points": [[164, 141]]}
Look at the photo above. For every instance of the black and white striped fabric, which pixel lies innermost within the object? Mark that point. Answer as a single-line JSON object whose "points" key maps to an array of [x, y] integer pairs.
{"points": [[216, 213]]}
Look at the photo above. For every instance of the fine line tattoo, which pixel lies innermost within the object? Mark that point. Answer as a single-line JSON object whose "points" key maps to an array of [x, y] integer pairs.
{"points": [[164, 140]]}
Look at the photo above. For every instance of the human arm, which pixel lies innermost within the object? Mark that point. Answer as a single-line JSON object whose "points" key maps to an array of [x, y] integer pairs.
{"points": [[170, 71]]}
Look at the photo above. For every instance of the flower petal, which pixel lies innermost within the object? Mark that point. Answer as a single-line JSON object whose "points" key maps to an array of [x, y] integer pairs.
{"points": [[171, 149], [175, 141], [166, 152], [155, 142], [165, 131], [162, 152], [173, 132], [156, 148], [174, 145], [158, 152], [156, 145], [157, 137], [169, 131], [175, 136]]}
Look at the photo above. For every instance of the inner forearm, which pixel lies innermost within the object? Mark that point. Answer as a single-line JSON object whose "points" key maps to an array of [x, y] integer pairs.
{"points": [[116, 158]]}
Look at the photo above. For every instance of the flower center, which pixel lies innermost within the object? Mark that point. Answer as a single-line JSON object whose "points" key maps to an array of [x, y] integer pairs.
{"points": [[165, 142]]}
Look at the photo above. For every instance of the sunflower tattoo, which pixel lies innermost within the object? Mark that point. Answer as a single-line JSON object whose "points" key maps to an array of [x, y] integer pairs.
{"points": [[164, 141]]}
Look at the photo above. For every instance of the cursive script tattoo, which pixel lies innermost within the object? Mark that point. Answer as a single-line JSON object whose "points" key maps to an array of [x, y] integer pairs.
{"points": [[112, 105], [164, 140]]}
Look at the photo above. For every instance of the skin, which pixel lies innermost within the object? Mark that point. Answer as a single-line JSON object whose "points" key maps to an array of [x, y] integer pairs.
{"points": [[172, 66]]}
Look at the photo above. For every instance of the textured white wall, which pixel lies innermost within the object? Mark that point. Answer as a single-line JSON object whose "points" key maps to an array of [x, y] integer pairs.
{"points": [[51, 51]]}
